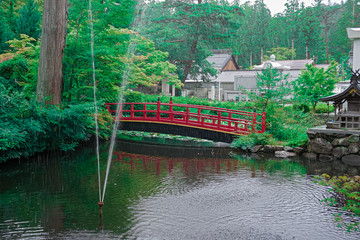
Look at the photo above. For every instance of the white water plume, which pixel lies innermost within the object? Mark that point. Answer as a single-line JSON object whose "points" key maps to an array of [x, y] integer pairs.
{"points": [[130, 51], [95, 100]]}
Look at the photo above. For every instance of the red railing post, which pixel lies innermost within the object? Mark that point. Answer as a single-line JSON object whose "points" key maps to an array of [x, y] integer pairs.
{"points": [[263, 121], [219, 119], [158, 109], [187, 117], [229, 121], [144, 108], [199, 115], [253, 128], [171, 114], [132, 110]]}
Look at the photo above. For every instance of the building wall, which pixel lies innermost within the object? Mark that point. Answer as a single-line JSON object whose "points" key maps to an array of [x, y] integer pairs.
{"points": [[230, 66], [230, 83]]}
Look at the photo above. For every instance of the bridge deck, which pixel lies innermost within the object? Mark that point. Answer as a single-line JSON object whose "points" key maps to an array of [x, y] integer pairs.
{"points": [[228, 121]]}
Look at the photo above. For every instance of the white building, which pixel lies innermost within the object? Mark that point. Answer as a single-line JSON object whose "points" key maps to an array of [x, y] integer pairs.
{"points": [[232, 82]]}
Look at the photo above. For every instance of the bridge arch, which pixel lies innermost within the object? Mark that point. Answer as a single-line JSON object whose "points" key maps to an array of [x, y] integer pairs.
{"points": [[218, 124]]}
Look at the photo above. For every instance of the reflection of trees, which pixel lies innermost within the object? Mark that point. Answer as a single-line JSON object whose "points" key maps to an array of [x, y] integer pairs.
{"points": [[59, 192]]}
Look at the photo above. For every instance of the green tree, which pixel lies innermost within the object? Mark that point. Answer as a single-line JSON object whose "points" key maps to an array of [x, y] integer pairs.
{"points": [[272, 86], [347, 15], [185, 29], [19, 65], [281, 53], [253, 34], [29, 20], [5, 32], [315, 83], [325, 13], [309, 32], [292, 12]]}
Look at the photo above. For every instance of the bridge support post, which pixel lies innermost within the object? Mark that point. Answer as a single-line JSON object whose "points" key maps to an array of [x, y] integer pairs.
{"points": [[171, 115], [263, 121], [158, 109], [253, 128]]}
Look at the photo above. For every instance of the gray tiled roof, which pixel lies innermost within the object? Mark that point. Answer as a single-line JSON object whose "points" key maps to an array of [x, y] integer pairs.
{"points": [[219, 60], [296, 64]]}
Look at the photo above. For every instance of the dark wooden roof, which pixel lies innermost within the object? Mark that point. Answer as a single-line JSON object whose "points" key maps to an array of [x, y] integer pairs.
{"points": [[352, 90]]}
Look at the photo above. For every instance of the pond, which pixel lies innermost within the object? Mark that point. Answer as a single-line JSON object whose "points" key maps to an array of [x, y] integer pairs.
{"points": [[164, 192]]}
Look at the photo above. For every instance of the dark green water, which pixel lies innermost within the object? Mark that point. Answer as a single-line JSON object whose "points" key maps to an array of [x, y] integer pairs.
{"points": [[159, 192]]}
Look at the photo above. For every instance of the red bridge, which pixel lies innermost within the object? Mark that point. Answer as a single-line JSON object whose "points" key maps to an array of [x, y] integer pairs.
{"points": [[213, 123]]}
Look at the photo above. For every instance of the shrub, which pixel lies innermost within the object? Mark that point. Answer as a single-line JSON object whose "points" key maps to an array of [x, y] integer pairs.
{"points": [[324, 108], [27, 127], [246, 142]]}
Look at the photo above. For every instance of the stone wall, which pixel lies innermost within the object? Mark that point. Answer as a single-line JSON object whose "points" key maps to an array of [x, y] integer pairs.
{"points": [[330, 145]]}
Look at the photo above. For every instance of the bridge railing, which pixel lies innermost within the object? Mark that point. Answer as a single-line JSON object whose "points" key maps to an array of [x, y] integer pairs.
{"points": [[205, 117]]}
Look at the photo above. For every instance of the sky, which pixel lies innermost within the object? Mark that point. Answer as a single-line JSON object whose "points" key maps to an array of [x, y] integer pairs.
{"points": [[277, 6]]}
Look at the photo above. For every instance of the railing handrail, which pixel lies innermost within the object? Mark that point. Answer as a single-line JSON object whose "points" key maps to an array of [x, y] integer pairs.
{"points": [[186, 105], [215, 122]]}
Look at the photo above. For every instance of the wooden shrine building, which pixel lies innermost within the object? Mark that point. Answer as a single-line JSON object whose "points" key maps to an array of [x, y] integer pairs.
{"points": [[347, 106]]}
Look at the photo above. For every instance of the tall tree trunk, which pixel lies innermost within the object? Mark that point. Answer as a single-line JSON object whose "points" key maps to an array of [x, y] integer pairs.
{"points": [[53, 40], [251, 59], [262, 54], [327, 44], [191, 60], [292, 47], [307, 52]]}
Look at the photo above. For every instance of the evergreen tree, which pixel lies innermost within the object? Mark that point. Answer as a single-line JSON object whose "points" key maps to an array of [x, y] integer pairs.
{"points": [[186, 28], [11, 18], [29, 20], [309, 29], [5, 32]]}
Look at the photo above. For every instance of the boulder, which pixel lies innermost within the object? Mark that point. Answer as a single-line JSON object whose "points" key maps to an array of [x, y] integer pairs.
{"points": [[284, 154], [351, 160], [352, 171], [353, 138], [338, 165], [353, 148], [341, 142], [269, 148], [298, 150], [279, 148], [326, 158], [320, 145], [256, 148], [288, 149], [310, 156], [340, 151]]}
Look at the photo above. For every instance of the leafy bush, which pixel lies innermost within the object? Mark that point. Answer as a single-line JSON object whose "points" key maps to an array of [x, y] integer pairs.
{"points": [[27, 127], [324, 108], [246, 142]]}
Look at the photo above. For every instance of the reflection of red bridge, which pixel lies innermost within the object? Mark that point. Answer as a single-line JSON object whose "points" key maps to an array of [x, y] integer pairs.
{"points": [[189, 165], [211, 122]]}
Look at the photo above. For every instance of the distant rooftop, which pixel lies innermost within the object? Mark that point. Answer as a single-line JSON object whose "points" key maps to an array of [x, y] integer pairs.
{"points": [[219, 60], [296, 64]]}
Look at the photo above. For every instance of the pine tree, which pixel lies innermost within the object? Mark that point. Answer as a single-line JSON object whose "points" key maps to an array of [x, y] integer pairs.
{"points": [[5, 32], [29, 20]]}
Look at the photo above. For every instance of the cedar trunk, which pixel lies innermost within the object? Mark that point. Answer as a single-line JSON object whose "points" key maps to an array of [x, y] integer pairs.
{"points": [[53, 40]]}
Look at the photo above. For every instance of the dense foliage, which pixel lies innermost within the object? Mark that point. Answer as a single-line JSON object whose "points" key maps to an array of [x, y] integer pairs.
{"points": [[315, 83], [28, 127]]}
